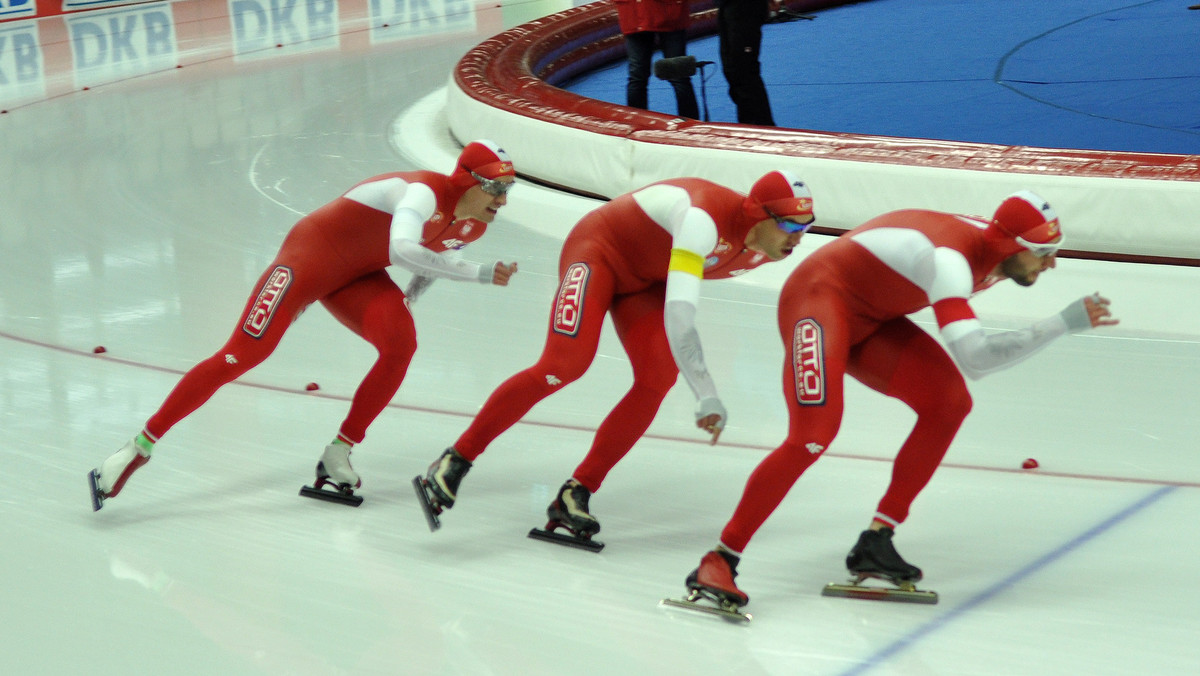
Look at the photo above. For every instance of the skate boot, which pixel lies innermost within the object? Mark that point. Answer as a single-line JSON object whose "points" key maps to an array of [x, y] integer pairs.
{"points": [[444, 476], [439, 487], [714, 579], [875, 556], [570, 511], [108, 480], [711, 589], [334, 470]]}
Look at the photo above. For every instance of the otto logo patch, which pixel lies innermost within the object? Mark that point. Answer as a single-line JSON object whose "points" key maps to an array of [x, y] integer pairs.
{"points": [[568, 308], [808, 362], [269, 298]]}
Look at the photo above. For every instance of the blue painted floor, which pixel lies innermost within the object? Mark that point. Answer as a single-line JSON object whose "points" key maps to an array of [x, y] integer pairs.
{"points": [[1092, 74]]}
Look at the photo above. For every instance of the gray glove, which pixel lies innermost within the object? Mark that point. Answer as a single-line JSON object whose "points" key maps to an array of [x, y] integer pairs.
{"points": [[416, 287], [710, 406], [1075, 315]]}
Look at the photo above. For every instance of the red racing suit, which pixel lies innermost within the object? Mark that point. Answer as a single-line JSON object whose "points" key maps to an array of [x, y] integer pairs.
{"points": [[617, 261], [337, 255], [843, 311]]}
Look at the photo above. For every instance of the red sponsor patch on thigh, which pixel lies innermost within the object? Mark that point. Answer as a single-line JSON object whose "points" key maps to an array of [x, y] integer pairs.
{"points": [[269, 297], [808, 362], [568, 308]]}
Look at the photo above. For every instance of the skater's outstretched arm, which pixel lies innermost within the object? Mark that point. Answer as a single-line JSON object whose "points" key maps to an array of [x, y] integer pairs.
{"points": [[979, 353], [415, 206], [695, 236]]}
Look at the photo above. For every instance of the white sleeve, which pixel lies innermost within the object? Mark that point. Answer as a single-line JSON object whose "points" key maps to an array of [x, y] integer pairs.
{"points": [[979, 353], [679, 318], [696, 233], [695, 237], [416, 207]]}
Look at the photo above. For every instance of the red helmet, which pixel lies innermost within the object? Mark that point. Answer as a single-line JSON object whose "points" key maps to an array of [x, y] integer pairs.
{"points": [[778, 194], [1030, 221], [483, 158]]}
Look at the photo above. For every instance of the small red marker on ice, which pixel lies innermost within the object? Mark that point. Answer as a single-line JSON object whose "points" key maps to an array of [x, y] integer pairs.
{"points": [[1029, 463], [99, 349], [312, 387]]}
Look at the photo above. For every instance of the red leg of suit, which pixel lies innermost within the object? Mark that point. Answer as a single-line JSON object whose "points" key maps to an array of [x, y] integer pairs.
{"points": [[250, 344], [896, 358], [811, 426], [564, 359], [638, 319], [374, 308], [904, 362]]}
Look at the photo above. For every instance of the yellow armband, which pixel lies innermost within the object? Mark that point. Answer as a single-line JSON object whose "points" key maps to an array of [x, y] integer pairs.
{"points": [[683, 260]]}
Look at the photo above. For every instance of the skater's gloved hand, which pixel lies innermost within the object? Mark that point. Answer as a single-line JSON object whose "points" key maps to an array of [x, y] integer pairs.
{"points": [[711, 417], [1097, 310], [1087, 313], [416, 287], [501, 273]]}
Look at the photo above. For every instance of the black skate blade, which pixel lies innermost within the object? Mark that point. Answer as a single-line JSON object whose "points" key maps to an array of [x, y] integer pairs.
{"points": [[97, 494], [567, 540], [428, 506], [904, 593], [331, 496], [725, 611]]}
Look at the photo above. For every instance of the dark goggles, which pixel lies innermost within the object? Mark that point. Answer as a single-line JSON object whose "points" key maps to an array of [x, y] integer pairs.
{"points": [[493, 187], [790, 226]]}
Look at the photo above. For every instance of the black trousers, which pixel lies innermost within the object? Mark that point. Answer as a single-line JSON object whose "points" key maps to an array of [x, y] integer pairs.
{"points": [[739, 29], [639, 48]]}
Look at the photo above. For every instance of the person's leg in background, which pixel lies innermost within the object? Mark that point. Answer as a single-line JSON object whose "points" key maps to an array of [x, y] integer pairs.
{"points": [[674, 43], [639, 49]]}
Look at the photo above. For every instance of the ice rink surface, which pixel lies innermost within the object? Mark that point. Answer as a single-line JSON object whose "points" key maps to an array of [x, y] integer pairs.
{"points": [[137, 216]]}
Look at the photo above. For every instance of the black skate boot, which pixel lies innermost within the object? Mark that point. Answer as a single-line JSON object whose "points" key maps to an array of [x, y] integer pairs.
{"points": [[711, 588], [570, 511], [439, 487], [874, 556]]}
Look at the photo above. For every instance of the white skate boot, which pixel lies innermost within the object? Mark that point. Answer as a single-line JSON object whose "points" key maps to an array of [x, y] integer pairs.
{"points": [[108, 480], [334, 470]]}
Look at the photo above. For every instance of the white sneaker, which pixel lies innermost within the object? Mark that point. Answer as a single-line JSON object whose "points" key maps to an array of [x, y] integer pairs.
{"points": [[335, 465], [118, 467]]}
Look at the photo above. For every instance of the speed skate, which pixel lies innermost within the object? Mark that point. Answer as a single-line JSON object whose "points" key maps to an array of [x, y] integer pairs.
{"points": [[699, 601], [343, 495], [429, 503], [334, 471], [902, 591], [875, 557], [569, 511], [569, 539], [97, 494]]}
